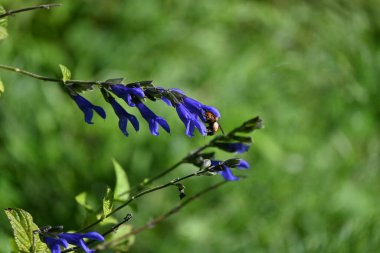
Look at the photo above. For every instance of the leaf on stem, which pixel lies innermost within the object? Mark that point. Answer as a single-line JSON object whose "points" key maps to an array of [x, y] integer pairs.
{"points": [[3, 24], [23, 227], [66, 73], [1, 87], [122, 184], [107, 202]]}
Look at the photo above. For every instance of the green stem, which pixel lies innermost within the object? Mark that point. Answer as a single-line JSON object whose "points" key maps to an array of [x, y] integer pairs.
{"points": [[162, 217], [44, 6], [132, 198]]}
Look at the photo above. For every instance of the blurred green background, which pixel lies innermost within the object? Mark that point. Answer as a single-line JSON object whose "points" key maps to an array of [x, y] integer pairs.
{"points": [[311, 70]]}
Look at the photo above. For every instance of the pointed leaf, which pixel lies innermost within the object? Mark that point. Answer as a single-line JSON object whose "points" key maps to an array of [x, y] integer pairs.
{"points": [[122, 184], [66, 73], [23, 227], [3, 33], [81, 199], [1, 87], [107, 202], [3, 24]]}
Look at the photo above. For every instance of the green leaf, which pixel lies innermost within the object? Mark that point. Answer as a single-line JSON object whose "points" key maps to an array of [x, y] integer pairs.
{"points": [[23, 227], [107, 202], [3, 24], [1, 87], [122, 184], [66, 73], [81, 199], [3, 33]]}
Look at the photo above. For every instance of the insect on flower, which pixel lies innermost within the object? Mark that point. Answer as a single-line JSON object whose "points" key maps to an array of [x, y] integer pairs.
{"points": [[213, 125]]}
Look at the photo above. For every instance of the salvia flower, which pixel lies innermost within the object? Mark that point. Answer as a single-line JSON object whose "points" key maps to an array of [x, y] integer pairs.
{"points": [[192, 113], [64, 239], [226, 172], [190, 120], [55, 243], [124, 116], [87, 108], [152, 119], [127, 93], [199, 109], [235, 147]]}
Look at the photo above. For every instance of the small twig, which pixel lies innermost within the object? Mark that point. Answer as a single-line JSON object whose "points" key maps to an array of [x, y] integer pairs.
{"points": [[44, 6], [132, 198], [161, 217], [165, 172]]}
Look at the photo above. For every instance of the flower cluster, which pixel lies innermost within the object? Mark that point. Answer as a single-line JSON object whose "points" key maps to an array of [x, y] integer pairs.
{"points": [[54, 242], [192, 113]]}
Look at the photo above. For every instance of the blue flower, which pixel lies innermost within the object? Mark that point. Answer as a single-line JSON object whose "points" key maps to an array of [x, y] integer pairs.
{"points": [[152, 119], [190, 120], [199, 109], [236, 147], [88, 108], [227, 173], [64, 239], [54, 243], [77, 239], [124, 116], [126, 93]]}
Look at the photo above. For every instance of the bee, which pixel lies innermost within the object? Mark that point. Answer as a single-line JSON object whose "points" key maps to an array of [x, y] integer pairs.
{"points": [[213, 125]]}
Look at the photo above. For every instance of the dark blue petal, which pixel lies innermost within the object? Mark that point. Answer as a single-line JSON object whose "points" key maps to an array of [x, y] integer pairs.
{"points": [[233, 147], [83, 245], [134, 121], [227, 174], [125, 93], [93, 236], [152, 119], [163, 124], [87, 108], [167, 101], [243, 164], [201, 128], [190, 121], [54, 243], [72, 238], [124, 116]]}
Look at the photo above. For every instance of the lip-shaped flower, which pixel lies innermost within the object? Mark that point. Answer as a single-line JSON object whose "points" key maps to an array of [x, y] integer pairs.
{"points": [[77, 239], [126, 93], [152, 119], [199, 109], [235, 147], [64, 239], [190, 121], [226, 173], [124, 116], [55, 243], [88, 108]]}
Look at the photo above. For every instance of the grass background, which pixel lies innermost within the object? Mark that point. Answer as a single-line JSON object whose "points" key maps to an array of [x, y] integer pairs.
{"points": [[311, 70]]}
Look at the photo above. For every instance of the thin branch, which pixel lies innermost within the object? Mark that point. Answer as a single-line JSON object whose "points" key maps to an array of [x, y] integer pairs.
{"points": [[132, 198], [50, 79], [44, 6], [162, 217], [165, 172]]}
